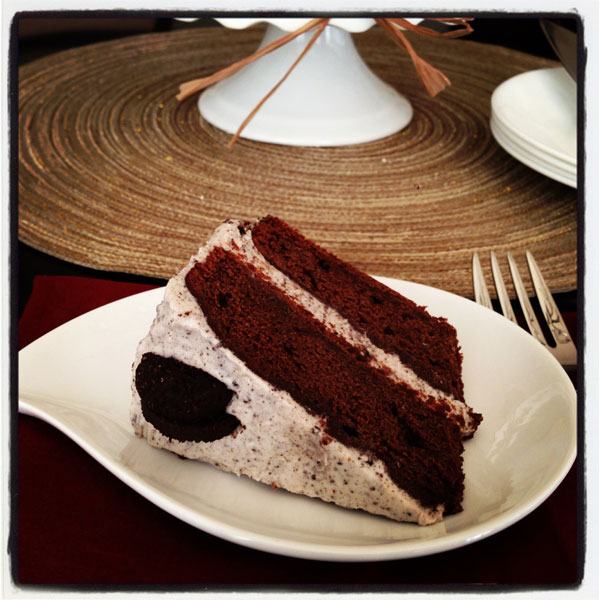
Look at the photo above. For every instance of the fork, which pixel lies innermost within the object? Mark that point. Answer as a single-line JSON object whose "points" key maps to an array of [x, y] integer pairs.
{"points": [[564, 349]]}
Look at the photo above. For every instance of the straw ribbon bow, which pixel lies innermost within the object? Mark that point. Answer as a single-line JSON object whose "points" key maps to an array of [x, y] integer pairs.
{"points": [[433, 79]]}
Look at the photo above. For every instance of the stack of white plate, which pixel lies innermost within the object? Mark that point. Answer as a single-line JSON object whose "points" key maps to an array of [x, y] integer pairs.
{"points": [[534, 118]]}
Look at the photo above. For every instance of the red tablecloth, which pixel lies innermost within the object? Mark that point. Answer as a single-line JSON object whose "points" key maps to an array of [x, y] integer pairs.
{"points": [[78, 524]]}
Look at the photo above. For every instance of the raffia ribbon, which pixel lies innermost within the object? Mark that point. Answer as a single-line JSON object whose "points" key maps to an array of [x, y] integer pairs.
{"points": [[433, 80]]}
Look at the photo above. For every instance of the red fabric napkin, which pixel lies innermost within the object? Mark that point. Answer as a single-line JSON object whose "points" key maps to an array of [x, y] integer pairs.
{"points": [[55, 300], [75, 523]]}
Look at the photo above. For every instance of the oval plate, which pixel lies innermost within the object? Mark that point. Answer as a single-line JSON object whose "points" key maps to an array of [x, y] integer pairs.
{"points": [[77, 378]]}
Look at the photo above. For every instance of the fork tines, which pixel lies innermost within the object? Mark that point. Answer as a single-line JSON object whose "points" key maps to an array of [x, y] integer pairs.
{"points": [[564, 350]]}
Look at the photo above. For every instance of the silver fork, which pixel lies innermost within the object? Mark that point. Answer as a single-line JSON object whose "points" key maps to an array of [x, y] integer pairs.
{"points": [[564, 349]]}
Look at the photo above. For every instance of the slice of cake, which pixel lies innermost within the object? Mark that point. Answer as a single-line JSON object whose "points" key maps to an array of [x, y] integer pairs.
{"points": [[270, 357]]}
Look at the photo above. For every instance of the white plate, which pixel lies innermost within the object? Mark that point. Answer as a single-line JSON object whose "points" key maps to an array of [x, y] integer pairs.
{"points": [[77, 378], [545, 164], [537, 114]]}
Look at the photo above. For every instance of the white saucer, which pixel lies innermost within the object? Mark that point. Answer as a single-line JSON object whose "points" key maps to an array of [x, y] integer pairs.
{"points": [[331, 98], [525, 153], [534, 118]]}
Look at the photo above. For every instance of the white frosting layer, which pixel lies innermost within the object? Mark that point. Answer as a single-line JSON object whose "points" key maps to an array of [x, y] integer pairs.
{"points": [[279, 442]]}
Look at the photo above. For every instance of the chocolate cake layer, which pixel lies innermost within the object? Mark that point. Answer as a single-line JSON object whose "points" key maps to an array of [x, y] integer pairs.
{"points": [[426, 344], [361, 407]]}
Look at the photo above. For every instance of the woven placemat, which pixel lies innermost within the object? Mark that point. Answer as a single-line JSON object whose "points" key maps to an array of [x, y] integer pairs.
{"points": [[116, 175]]}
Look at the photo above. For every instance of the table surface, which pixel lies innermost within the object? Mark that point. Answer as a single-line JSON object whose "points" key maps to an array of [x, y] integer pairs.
{"points": [[74, 523]]}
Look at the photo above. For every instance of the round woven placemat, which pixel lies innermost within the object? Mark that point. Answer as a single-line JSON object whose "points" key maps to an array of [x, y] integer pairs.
{"points": [[115, 174]]}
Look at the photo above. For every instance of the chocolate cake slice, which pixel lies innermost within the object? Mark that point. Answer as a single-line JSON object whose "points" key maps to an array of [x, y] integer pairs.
{"points": [[270, 357]]}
